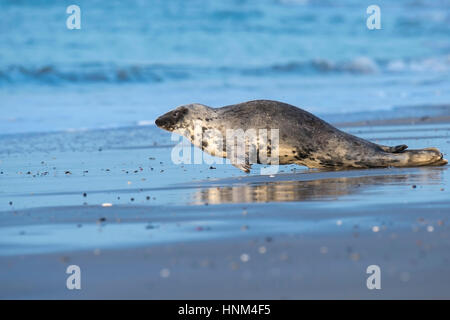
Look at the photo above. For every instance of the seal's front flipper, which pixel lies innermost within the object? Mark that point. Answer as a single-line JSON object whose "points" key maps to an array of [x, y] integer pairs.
{"points": [[396, 149], [246, 167]]}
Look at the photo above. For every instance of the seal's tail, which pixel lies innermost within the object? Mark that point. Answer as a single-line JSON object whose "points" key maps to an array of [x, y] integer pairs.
{"points": [[420, 157]]}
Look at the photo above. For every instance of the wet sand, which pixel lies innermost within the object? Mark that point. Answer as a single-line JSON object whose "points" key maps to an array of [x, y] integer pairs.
{"points": [[194, 232]]}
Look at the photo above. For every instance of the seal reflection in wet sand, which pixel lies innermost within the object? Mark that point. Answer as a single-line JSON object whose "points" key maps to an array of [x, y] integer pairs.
{"points": [[304, 139]]}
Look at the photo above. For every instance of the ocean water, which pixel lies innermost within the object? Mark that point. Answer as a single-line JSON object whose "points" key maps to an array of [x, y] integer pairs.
{"points": [[134, 60]]}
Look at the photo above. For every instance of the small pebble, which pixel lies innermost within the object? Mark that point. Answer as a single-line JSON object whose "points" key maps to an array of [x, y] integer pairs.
{"points": [[355, 256], [245, 257], [262, 250], [164, 273]]}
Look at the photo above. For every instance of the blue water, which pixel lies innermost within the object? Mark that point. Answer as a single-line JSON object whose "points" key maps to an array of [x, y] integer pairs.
{"points": [[133, 60]]}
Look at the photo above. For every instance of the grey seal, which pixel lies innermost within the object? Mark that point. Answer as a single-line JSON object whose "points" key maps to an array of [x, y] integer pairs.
{"points": [[304, 139]]}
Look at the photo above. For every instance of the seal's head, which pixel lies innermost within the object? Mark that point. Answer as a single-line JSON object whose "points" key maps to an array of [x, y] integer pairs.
{"points": [[182, 117]]}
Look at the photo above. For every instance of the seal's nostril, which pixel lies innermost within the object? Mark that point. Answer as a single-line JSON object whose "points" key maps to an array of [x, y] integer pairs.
{"points": [[158, 122]]}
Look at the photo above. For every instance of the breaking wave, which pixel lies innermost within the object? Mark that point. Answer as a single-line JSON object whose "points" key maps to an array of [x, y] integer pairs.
{"points": [[153, 73]]}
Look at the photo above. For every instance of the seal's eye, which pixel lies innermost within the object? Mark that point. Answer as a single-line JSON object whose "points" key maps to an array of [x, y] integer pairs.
{"points": [[175, 114]]}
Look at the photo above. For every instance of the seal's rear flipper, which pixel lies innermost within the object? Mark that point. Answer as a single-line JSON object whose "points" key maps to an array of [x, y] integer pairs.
{"points": [[396, 149], [420, 157], [441, 162]]}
